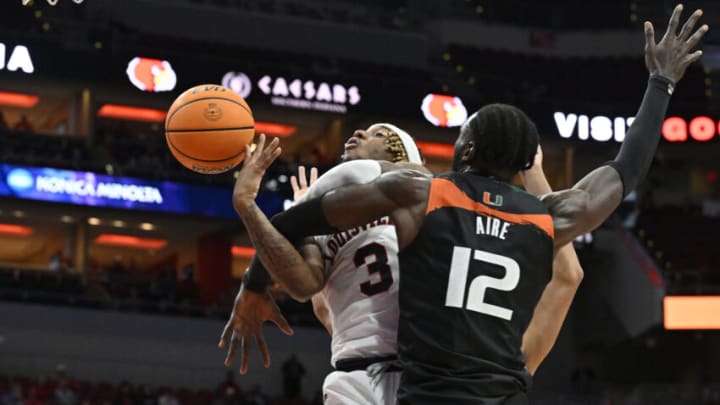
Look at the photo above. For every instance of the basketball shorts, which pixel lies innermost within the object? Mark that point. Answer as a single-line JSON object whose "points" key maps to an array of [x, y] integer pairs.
{"points": [[361, 387]]}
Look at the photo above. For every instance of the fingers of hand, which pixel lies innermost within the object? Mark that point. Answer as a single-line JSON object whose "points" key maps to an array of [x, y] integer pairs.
{"points": [[649, 35], [249, 148], [231, 349], [273, 145], [674, 21], [225, 334], [693, 57], [313, 175], [263, 349], [282, 323], [301, 175], [271, 151], [696, 37], [689, 25], [294, 184], [245, 357], [260, 143]]}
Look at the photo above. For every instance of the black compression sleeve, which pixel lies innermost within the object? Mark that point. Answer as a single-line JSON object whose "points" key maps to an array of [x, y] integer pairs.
{"points": [[304, 219], [637, 151]]}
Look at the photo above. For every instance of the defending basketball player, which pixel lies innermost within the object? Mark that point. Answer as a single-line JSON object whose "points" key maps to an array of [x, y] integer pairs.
{"points": [[475, 252], [365, 323]]}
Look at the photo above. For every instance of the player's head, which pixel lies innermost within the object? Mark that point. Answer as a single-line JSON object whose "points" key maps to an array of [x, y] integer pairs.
{"points": [[499, 140], [382, 142]]}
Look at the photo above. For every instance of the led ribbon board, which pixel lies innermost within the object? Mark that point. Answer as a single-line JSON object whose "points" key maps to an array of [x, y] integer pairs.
{"points": [[92, 189]]}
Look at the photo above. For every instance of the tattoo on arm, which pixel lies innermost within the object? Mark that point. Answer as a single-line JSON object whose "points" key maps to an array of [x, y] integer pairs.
{"points": [[279, 256]]}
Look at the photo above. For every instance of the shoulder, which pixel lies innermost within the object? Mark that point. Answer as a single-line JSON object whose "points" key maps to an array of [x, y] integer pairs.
{"points": [[344, 174], [390, 166]]}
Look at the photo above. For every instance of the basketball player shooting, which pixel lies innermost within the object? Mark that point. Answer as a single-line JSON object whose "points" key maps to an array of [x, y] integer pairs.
{"points": [[471, 228]]}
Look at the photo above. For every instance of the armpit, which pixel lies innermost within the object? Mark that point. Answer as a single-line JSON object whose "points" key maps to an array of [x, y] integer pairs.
{"points": [[568, 209]]}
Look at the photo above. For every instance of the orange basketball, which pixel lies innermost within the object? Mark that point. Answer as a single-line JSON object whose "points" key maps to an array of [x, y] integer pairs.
{"points": [[207, 128]]}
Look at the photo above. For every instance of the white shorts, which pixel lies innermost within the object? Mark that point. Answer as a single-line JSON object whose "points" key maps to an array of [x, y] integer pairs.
{"points": [[359, 388]]}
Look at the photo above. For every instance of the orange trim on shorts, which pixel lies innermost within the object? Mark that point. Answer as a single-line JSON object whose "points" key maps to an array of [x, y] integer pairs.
{"points": [[444, 193]]}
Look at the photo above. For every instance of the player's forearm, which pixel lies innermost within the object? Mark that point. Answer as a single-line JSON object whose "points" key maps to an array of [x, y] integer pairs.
{"points": [[278, 255], [638, 148], [566, 266], [535, 181], [552, 309], [355, 205]]}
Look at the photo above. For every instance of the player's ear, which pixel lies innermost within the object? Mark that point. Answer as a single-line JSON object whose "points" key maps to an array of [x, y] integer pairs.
{"points": [[468, 152]]}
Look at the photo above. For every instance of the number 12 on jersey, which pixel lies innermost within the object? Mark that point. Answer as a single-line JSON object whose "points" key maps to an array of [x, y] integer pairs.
{"points": [[457, 281]]}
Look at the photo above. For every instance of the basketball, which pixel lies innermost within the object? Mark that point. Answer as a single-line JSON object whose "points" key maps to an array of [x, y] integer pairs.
{"points": [[207, 128]]}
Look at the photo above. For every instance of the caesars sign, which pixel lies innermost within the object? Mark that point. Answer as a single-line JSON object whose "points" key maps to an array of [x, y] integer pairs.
{"points": [[601, 128], [296, 93]]}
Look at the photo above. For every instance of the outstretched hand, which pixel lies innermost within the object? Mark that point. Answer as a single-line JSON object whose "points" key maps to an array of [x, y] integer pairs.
{"points": [[300, 184], [256, 162], [250, 311], [672, 55]]}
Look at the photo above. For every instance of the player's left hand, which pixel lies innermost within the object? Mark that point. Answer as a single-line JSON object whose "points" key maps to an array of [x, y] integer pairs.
{"points": [[250, 311], [671, 56], [256, 162], [300, 184]]}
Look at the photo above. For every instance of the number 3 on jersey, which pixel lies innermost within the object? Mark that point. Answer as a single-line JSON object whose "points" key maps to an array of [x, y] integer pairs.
{"points": [[476, 294], [378, 265]]}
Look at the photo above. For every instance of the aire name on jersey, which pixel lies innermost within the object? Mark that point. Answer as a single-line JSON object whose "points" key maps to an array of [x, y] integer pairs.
{"points": [[491, 226], [339, 239]]}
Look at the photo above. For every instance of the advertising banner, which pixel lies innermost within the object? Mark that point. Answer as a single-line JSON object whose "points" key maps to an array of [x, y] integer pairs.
{"points": [[92, 189]]}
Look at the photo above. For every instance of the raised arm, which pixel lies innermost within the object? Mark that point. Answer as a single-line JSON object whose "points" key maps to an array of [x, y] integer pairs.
{"points": [[551, 310], [597, 195], [300, 274]]}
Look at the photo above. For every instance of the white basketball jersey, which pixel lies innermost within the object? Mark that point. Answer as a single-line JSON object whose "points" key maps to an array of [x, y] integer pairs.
{"points": [[361, 292]]}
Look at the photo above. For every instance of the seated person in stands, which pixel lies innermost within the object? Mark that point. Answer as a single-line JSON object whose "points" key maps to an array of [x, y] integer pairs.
{"points": [[24, 124]]}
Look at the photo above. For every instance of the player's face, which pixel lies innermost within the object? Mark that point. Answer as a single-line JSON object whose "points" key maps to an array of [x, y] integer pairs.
{"points": [[368, 144]]}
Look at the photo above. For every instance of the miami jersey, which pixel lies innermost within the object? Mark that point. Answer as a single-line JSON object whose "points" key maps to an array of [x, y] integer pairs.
{"points": [[475, 272]]}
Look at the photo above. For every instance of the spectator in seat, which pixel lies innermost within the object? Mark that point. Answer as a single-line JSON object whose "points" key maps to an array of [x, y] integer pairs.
{"points": [[14, 396], [256, 397], [228, 390], [293, 372], [168, 398], [24, 124]]}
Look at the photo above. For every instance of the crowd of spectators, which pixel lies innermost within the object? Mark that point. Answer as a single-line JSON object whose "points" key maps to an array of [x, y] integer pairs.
{"points": [[63, 389]]}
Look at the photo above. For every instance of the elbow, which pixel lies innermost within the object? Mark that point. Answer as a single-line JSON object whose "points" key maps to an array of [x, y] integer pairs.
{"points": [[577, 276], [303, 293], [300, 294], [302, 297], [574, 277]]}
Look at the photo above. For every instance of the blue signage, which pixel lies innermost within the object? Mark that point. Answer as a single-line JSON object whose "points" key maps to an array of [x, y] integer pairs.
{"points": [[87, 188]]}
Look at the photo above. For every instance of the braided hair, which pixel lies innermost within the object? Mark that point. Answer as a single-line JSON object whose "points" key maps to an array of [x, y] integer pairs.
{"points": [[505, 138], [394, 146]]}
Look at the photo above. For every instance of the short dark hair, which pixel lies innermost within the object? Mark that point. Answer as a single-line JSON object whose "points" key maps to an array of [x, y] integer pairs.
{"points": [[505, 138]]}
